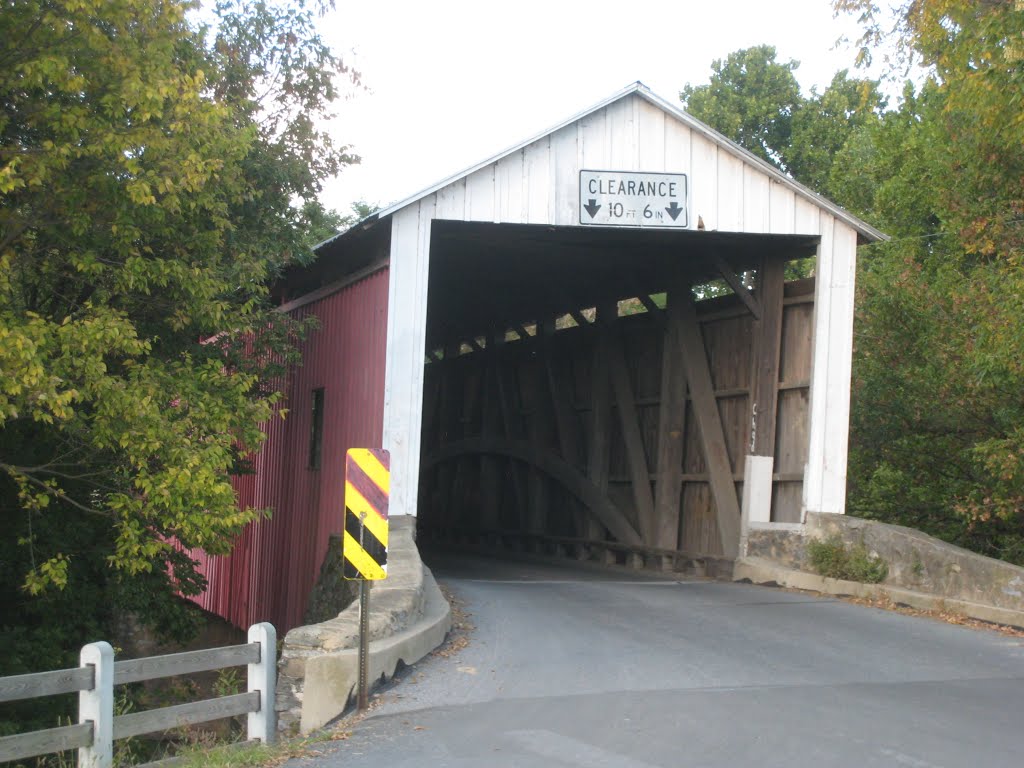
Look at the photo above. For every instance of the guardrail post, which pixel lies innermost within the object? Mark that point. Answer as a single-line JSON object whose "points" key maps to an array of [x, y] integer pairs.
{"points": [[262, 725], [96, 706]]}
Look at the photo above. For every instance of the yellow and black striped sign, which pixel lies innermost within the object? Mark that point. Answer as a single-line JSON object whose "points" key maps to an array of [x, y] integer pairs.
{"points": [[367, 487]]}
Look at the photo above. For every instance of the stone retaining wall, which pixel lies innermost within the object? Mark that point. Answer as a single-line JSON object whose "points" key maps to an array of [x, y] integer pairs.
{"points": [[395, 603], [916, 561]]}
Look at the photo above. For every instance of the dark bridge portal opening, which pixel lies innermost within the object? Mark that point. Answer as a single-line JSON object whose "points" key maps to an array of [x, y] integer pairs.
{"points": [[583, 393]]}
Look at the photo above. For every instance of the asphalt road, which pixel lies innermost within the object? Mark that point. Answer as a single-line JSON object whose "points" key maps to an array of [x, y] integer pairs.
{"points": [[571, 666]]}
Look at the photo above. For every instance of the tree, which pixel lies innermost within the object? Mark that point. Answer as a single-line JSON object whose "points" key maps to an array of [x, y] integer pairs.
{"points": [[937, 438], [149, 173], [321, 223], [823, 125], [886, 170], [750, 98], [975, 52], [756, 101]]}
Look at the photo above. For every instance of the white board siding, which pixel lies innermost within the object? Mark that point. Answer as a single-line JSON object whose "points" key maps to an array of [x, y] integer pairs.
{"points": [[840, 366], [731, 194], [756, 200], [480, 195], [678, 140], [704, 181], [594, 148], [622, 135], [825, 474], [808, 217], [814, 471], [565, 158], [508, 184], [451, 202], [782, 209], [651, 137], [638, 94], [403, 375], [538, 183]]}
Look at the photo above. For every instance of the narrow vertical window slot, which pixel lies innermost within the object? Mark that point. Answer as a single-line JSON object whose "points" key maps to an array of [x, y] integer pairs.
{"points": [[316, 433]]}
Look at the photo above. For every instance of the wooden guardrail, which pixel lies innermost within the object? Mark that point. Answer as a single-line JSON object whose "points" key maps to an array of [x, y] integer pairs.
{"points": [[98, 673]]}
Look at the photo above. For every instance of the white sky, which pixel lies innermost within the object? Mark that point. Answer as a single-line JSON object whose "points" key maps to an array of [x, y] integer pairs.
{"points": [[452, 82]]}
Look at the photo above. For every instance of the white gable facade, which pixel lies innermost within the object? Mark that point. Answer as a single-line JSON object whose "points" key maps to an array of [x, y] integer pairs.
{"points": [[537, 182]]}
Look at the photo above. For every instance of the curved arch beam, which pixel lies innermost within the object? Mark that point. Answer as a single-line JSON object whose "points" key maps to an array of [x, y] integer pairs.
{"points": [[552, 465]]}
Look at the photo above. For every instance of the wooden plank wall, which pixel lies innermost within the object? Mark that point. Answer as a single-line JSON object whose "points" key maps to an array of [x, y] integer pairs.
{"points": [[515, 429]]}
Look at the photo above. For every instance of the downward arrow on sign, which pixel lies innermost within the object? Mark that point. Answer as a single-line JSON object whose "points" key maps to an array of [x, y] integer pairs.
{"points": [[592, 207], [673, 210]]}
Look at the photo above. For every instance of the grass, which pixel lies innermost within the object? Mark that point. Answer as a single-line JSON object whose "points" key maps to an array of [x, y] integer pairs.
{"points": [[257, 755], [834, 558]]}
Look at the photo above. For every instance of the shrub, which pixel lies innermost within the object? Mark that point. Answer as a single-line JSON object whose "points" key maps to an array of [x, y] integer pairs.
{"points": [[832, 557]]}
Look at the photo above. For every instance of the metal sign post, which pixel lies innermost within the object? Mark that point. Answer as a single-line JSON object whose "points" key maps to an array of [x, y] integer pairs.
{"points": [[365, 541], [363, 695]]}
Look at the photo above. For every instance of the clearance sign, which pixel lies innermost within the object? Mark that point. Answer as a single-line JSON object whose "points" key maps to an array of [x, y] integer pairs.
{"points": [[629, 199], [367, 486]]}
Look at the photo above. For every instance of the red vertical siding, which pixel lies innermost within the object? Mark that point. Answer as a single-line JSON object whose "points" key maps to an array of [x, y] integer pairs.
{"points": [[275, 563]]}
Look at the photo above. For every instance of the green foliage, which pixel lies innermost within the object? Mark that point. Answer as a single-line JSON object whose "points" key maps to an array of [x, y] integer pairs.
{"points": [[321, 223], [750, 98], [825, 124], [152, 179], [213, 755], [937, 440], [228, 683], [756, 101], [833, 558]]}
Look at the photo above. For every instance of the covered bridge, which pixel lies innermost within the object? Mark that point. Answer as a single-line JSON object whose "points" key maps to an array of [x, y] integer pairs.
{"points": [[576, 343]]}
